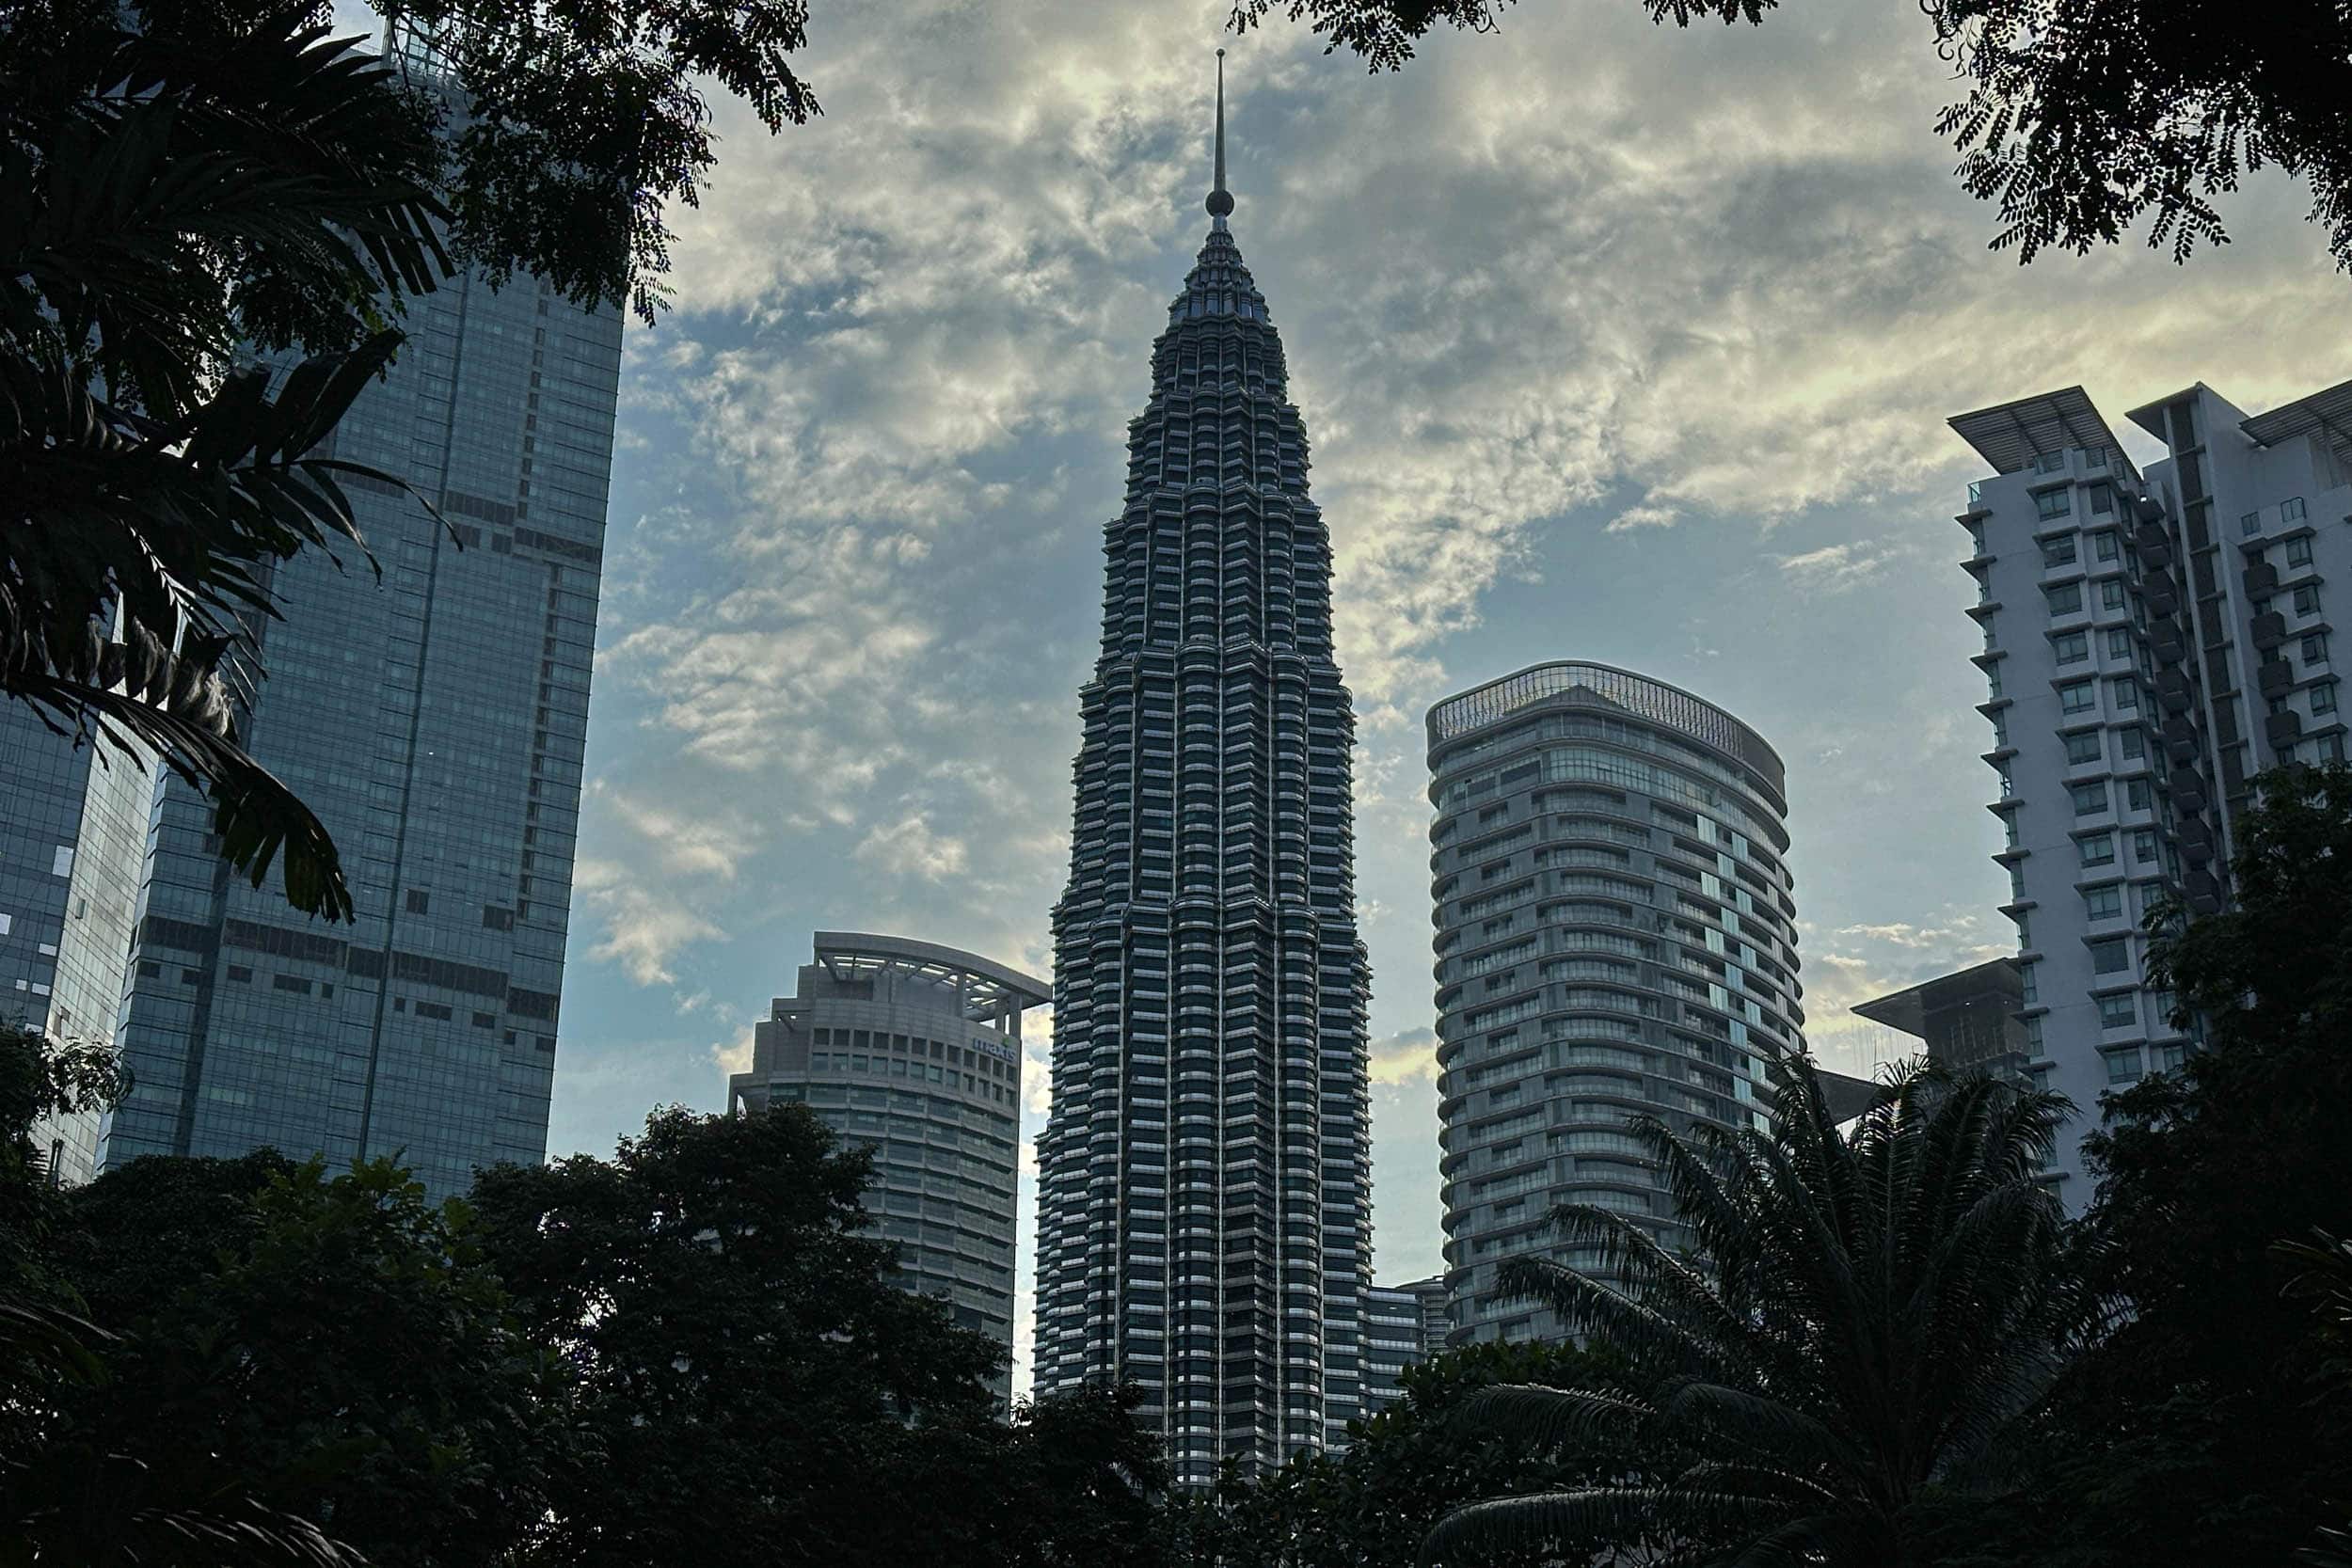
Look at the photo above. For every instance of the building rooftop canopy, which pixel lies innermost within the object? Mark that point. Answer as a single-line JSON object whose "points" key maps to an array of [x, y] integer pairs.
{"points": [[1605, 685], [991, 988], [2329, 411], [2010, 435], [1907, 1009]]}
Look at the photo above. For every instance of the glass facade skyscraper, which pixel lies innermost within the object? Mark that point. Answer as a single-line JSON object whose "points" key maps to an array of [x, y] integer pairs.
{"points": [[436, 721], [72, 830], [1204, 1191], [1616, 937]]}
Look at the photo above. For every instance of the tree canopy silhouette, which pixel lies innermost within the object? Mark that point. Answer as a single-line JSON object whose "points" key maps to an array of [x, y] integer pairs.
{"points": [[186, 188], [2081, 119]]}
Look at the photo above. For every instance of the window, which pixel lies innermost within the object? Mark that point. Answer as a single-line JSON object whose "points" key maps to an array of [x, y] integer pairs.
{"points": [[2103, 506], [2315, 647], [2059, 552], [2111, 593], [2083, 746], [2104, 903], [61, 863], [2120, 643], [2323, 697], [2096, 848], [2065, 599], [2299, 550], [2291, 509], [2138, 795], [2306, 599], [2251, 523], [2072, 647], [2028, 986], [2125, 691], [2134, 742], [2103, 544], [2144, 844], [2056, 504], [2117, 1012], [419, 900], [2123, 1065], [2079, 696], [2089, 798], [2110, 956]]}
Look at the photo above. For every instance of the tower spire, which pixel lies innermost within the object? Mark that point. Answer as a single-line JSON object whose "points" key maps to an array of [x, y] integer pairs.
{"points": [[1220, 202]]}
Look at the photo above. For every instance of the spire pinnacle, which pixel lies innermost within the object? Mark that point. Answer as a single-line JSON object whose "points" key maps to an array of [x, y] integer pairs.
{"points": [[1220, 202]]}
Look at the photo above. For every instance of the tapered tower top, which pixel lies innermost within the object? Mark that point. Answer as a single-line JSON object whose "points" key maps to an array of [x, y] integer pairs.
{"points": [[1220, 202]]}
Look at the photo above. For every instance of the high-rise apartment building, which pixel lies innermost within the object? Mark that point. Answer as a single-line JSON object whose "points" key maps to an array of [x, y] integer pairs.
{"points": [[73, 837], [915, 1050], [1615, 936], [1403, 1323], [1964, 1021], [1204, 1187], [2152, 641], [435, 721]]}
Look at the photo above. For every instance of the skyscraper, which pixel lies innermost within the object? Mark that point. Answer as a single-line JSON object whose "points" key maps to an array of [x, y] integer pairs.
{"points": [[1205, 1186], [435, 721], [2151, 642], [1615, 936], [72, 835], [1403, 1325], [913, 1049]]}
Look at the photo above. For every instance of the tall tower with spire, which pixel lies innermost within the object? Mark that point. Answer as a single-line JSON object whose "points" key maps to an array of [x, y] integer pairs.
{"points": [[1205, 1185]]}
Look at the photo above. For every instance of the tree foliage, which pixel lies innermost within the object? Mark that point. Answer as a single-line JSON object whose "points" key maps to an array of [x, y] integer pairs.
{"points": [[1403, 1469], [2204, 1427], [752, 1387], [1867, 1313], [2082, 118], [187, 183]]}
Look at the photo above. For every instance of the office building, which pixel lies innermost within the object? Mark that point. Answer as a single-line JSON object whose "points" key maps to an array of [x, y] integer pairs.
{"points": [[435, 720], [73, 837], [1615, 936], [2152, 641], [1204, 1187], [1403, 1325], [914, 1050], [1965, 1022]]}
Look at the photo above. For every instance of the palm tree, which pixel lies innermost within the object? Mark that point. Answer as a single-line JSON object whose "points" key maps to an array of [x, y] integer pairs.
{"points": [[1864, 1311], [166, 203]]}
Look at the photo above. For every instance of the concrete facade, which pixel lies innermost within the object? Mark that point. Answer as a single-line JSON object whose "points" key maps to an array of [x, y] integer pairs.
{"points": [[915, 1051], [2152, 641]]}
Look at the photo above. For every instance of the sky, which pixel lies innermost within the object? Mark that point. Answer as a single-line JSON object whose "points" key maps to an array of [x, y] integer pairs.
{"points": [[1613, 342]]}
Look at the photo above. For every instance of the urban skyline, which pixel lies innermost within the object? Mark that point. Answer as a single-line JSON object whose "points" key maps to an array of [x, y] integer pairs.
{"points": [[939, 861]]}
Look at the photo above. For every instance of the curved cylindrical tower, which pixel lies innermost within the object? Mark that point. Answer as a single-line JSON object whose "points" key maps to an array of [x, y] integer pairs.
{"points": [[1614, 937], [1204, 1194]]}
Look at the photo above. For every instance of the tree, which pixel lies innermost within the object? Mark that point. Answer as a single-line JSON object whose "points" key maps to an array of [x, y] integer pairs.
{"points": [[753, 1388], [2083, 117], [64, 1497], [338, 1348], [1403, 1469], [2190, 1434], [1867, 1313], [184, 185]]}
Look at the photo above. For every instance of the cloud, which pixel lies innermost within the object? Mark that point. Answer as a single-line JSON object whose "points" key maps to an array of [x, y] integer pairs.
{"points": [[911, 848], [1405, 1058], [644, 928], [1643, 516], [1838, 568], [735, 1055]]}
